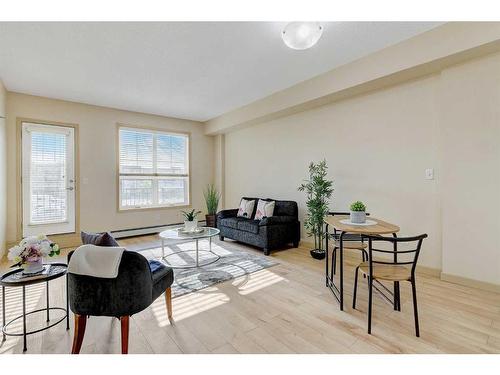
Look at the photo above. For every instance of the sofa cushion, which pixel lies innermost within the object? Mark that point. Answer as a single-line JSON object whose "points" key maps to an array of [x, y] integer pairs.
{"points": [[231, 222], [285, 208], [251, 226], [276, 220]]}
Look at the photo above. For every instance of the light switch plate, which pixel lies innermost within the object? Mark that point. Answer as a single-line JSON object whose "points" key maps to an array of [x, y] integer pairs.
{"points": [[429, 174]]}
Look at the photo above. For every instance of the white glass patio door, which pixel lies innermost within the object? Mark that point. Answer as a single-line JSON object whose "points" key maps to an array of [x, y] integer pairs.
{"points": [[48, 179]]}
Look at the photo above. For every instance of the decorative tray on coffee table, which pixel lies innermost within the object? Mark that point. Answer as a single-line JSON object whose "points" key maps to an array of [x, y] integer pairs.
{"points": [[196, 231]]}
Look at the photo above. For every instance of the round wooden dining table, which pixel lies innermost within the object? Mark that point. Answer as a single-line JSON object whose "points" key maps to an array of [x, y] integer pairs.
{"points": [[338, 222]]}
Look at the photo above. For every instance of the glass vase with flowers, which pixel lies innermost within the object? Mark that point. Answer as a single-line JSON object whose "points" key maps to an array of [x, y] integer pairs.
{"points": [[30, 252]]}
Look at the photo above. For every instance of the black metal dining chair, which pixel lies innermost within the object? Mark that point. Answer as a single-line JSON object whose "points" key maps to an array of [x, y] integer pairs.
{"points": [[351, 242], [400, 266]]}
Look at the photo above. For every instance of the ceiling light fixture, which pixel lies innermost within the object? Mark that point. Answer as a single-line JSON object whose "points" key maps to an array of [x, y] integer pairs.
{"points": [[302, 35]]}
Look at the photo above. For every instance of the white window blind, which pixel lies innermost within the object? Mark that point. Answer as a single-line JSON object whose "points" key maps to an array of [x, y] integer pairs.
{"points": [[154, 168], [47, 178]]}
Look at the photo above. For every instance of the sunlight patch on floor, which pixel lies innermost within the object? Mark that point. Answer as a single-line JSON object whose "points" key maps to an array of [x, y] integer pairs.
{"points": [[219, 249], [188, 305], [257, 281], [14, 307]]}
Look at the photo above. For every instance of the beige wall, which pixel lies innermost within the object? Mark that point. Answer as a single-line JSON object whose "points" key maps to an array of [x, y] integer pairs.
{"points": [[219, 167], [3, 170], [97, 141], [378, 146], [425, 53], [470, 126]]}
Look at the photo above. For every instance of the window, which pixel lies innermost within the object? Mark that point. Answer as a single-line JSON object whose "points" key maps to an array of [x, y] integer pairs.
{"points": [[154, 169]]}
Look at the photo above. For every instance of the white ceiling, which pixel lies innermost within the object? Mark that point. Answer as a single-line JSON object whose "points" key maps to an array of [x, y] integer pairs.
{"points": [[191, 70]]}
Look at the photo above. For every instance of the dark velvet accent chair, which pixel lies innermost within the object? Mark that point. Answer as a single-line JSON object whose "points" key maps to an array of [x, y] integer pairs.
{"points": [[281, 229], [138, 284]]}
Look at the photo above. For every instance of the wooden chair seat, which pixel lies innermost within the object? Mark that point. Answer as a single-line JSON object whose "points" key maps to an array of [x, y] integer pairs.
{"points": [[388, 272], [352, 245]]}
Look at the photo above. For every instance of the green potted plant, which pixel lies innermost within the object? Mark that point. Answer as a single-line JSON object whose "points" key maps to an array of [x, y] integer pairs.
{"points": [[190, 220], [358, 212], [212, 198], [319, 190]]}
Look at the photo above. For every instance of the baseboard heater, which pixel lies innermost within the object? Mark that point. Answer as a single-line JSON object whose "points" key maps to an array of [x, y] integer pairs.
{"points": [[133, 232]]}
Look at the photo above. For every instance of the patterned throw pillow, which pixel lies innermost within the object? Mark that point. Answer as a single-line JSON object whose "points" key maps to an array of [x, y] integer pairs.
{"points": [[264, 209], [99, 239], [246, 208]]}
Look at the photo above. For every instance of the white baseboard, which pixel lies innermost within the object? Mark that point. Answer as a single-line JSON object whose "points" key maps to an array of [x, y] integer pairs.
{"points": [[146, 230], [470, 282]]}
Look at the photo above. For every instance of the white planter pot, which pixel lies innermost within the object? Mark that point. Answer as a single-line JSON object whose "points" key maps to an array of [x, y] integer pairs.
{"points": [[358, 217], [190, 226]]}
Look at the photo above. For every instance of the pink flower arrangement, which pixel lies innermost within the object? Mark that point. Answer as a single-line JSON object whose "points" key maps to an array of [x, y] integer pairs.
{"points": [[32, 249]]}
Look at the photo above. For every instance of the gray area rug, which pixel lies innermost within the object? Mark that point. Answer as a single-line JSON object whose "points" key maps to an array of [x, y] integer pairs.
{"points": [[233, 262]]}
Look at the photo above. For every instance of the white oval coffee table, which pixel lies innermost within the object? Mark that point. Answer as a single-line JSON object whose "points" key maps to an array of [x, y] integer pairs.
{"points": [[179, 235]]}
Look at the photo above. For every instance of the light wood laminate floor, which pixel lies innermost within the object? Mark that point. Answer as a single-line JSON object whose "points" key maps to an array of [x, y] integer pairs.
{"points": [[282, 309]]}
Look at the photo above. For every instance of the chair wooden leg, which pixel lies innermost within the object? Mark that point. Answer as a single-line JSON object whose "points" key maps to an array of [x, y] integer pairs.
{"points": [[370, 293], [168, 300], [80, 324], [415, 309], [355, 288], [124, 320]]}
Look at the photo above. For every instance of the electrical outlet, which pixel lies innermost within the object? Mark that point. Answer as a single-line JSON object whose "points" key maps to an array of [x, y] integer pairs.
{"points": [[429, 174]]}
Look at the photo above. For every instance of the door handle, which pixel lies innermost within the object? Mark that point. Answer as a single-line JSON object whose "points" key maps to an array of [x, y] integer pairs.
{"points": [[70, 188]]}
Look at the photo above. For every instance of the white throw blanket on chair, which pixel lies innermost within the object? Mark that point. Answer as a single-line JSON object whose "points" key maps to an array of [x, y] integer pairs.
{"points": [[96, 261]]}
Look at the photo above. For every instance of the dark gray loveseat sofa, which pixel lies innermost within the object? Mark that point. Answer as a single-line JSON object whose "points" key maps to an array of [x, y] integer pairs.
{"points": [[279, 230]]}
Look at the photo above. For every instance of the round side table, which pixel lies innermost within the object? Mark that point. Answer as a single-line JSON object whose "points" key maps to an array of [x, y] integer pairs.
{"points": [[13, 279]]}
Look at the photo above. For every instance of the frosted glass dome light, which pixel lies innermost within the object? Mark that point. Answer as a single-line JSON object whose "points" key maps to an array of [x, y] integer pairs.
{"points": [[302, 35]]}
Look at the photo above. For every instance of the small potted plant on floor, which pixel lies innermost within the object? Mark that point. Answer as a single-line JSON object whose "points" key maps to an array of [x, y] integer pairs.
{"points": [[319, 190], [30, 252], [358, 212], [212, 198], [190, 220]]}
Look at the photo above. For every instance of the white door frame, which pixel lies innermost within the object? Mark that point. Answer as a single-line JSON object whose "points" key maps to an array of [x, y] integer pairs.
{"points": [[70, 224]]}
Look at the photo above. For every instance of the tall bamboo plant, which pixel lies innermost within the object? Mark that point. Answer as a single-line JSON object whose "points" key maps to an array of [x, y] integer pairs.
{"points": [[319, 190]]}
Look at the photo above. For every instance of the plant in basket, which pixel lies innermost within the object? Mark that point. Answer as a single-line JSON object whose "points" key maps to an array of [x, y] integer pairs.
{"points": [[358, 212], [319, 190], [212, 198]]}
